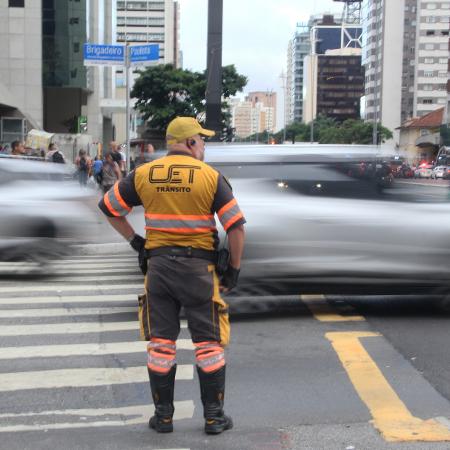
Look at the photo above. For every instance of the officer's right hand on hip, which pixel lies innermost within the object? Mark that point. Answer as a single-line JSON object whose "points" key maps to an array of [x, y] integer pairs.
{"points": [[229, 279], [137, 242]]}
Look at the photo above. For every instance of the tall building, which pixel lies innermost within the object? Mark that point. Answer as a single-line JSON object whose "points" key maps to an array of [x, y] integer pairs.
{"points": [[405, 54], [21, 105], [334, 85], [43, 82], [432, 56], [155, 21], [257, 114], [322, 33], [268, 100], [138, 23], [299, 47]]}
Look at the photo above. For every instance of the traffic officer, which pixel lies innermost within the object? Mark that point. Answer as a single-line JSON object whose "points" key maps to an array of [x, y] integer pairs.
{"points": [[180, 195]]}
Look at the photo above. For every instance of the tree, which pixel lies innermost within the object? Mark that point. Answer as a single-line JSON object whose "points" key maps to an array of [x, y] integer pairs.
{"points": [[329, 131], [164, 92]]}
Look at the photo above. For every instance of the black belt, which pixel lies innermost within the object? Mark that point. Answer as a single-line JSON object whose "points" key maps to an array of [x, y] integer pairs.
{"points": [[187, 252]]}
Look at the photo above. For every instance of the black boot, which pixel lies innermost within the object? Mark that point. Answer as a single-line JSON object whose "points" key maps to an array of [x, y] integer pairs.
{"points": [[212, 389], [162, 392]]}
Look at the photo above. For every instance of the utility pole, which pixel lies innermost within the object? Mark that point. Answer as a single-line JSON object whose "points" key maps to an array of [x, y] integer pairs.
{"points": [[283, 78], [214, 68]]}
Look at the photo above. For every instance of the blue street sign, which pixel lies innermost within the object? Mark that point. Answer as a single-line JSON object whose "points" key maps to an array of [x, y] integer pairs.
{"points": [[111, 55], [143, 54]]}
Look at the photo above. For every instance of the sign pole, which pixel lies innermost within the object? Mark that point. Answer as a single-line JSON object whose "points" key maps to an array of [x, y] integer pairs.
{"points": [[127, 89]]}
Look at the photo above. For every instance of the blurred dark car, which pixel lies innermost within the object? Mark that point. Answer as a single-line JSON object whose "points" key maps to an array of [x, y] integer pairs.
{"points": [[312, 221], [42, 212]]}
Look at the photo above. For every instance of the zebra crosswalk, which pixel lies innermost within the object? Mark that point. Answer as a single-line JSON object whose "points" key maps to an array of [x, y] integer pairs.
{"points": [[70, 348]]}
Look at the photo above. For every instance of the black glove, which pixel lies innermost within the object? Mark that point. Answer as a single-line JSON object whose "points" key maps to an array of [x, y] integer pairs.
{"points": [[229, 279], [138, 244]]}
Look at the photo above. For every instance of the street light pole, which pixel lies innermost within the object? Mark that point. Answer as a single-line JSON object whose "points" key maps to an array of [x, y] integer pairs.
{"points": [[214, 68], [127, 109]]}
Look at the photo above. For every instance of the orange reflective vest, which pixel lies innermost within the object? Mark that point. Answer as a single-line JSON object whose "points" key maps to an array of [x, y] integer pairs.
{"points": [[180, 196]]}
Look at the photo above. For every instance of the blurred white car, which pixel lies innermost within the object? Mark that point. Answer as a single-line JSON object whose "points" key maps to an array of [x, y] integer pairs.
{"points": [[42, 210], [438, 172], [315, 222]]}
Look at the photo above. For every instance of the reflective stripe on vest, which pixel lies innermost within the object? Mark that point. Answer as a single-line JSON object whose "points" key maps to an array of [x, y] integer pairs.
{"points": [[183, 224], [229, 214], [115, 203]]}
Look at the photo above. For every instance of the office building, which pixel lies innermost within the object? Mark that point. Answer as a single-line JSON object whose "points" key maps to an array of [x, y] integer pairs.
{"points": [[334, 85], [405, 54], [21, 105], [322, 33], [256, 114], [139, 23], [43, 82]]}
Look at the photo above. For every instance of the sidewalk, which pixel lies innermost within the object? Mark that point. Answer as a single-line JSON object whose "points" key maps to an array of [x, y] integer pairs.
{"points": [[424, 182]]}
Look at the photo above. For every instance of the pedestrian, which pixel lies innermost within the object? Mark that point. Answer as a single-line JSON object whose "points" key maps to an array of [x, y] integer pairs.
{"points": [[110, 172], [54, 155], [180, 195], [83, 165], [17, 148], [117, 156], [97, 167], [146, 155]]}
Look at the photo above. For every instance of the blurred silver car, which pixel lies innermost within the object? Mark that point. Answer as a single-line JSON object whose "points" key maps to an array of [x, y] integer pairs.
{"points": [[42, 211], [319, 217], [438, 172]]}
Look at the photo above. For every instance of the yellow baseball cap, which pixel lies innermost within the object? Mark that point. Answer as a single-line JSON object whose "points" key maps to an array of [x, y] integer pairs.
{"points": [[182, 128]]}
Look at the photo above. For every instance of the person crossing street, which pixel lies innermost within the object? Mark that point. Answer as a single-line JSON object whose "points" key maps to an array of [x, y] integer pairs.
{"points": [[181, 196]]}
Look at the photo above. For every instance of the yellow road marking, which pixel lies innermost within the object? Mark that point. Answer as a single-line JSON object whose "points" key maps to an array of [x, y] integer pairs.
{"points": [[390, 415], [324, 312]]}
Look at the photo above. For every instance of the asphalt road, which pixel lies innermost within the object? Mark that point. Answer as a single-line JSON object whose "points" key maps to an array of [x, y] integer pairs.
{"points": [[304, 372]]}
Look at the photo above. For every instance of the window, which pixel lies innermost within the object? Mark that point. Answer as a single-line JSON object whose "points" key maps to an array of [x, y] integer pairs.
{"points": [[428, 73], [430, 33], [431, 6], [445, 5], [427, 101], [428, 60], [16, 3], [429, 46], [443, 60], [443, 46], [76, 47]]}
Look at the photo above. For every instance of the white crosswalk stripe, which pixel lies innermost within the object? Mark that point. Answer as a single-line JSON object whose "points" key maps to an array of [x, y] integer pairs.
{"points": [[71, 288], [97, 349], [69, 328], [108, 298], [64, 312], [50, 379], [83, 302], [87, 418]]}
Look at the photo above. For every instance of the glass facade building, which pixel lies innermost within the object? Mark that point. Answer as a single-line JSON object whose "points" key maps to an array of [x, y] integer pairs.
{"points": [[64, 31]]}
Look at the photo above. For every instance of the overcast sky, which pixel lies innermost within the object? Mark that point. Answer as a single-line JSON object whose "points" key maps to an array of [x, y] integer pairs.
{"points": [[255, 36]]}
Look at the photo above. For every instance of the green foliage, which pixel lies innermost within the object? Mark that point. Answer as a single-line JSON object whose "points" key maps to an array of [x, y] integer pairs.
{"points": [[329, 131], [164, 92]]}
